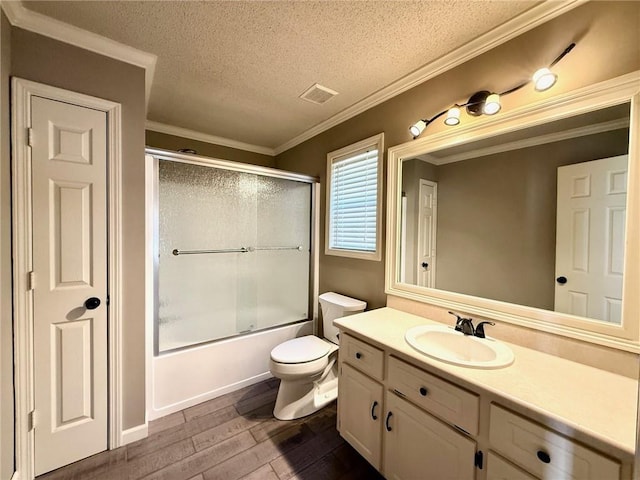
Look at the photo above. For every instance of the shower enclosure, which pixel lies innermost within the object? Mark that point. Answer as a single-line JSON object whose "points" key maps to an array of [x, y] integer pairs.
{"points": [[233, 258]]}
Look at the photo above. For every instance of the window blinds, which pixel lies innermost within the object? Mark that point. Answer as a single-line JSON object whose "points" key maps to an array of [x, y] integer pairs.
{"points": [[353, 207]]}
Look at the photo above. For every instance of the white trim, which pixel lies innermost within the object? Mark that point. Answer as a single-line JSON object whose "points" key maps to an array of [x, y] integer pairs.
{"points": [[608, 93], [205, 137], [376, 141], [23, 90], [527, 21], [531, 141], [22, 17], [134, 434], [150, 225]]}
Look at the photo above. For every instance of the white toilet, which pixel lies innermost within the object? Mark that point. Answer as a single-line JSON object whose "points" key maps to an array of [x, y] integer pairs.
{"points": [[307, 366]]}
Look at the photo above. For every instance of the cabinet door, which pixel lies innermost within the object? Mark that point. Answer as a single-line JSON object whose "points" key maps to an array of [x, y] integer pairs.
{"points": [[416, 445], [360, 412]]}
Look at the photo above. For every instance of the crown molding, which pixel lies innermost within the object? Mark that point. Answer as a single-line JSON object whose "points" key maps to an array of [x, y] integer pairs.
{"points": [[522, 23], [21, 17], [205, 137]]}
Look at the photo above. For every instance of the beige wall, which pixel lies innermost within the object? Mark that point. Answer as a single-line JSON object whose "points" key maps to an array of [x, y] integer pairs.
{"points": [[41, 59], [173, 142], [6, 338], [607, 35]]}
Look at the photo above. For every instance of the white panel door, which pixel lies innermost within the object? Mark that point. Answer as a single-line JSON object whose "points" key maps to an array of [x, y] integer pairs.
{"points": [[69, 154], [590, 228], [427, 220]]}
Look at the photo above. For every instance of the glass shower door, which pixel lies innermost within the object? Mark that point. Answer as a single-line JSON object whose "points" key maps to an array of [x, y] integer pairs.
{"points": [[234, 253]]}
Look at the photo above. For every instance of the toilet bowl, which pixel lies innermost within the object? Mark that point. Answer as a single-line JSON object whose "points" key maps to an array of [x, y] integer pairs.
{"points": [[307, 366]]}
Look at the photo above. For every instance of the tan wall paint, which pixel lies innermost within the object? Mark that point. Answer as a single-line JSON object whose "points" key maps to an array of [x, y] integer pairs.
{"points": [[41, 59], [173, 142], [6, 324], [608, 35]]}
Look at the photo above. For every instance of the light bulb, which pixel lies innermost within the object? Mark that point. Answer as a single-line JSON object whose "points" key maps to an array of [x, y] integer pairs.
{"points": [[492, 104], [417, 128], [453, 116], [544, 79]]}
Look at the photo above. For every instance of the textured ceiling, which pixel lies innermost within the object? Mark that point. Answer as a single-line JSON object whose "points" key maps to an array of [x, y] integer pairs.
{"points": [[235, 69]]}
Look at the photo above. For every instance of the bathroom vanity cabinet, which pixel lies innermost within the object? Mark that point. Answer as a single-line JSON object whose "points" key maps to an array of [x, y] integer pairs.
{"points": [[412, 418]]}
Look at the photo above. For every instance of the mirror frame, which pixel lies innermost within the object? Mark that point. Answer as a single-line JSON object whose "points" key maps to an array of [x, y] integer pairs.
{"points": [[612, 92]]}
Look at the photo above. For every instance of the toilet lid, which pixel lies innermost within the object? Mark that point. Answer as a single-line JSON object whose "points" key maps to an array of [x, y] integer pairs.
{"points": [[300, 350]]}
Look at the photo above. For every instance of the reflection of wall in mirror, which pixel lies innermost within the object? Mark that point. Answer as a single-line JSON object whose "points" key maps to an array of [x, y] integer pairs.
{"points": [[496, 218], [412, 173]]}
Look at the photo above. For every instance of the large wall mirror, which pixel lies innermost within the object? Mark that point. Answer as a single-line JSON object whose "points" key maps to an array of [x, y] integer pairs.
{"points": [[531, 217]]}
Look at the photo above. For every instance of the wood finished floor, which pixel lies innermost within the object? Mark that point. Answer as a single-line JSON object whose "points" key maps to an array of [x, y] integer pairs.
{"points": [[230, 437]]}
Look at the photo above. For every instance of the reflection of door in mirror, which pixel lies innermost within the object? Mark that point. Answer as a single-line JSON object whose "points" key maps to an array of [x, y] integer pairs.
{"points": [[414, 173], [427, 221], [591, 211]]}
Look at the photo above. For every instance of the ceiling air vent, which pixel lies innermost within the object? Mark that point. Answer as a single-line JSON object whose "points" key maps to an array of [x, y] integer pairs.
{"points": [[318, 94]]}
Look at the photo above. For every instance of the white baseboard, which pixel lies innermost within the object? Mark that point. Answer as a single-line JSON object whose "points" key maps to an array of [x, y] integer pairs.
{"points": [[134, 434]]}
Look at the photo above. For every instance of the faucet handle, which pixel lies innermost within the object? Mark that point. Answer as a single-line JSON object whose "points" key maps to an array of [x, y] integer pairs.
{"points": [[480, 329]]}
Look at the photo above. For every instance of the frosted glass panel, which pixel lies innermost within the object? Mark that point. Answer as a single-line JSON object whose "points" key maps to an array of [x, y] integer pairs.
{"points": [[209, 296]]}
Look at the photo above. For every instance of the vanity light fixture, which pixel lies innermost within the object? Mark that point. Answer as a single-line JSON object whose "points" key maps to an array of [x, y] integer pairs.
{"points": [[488, 103]]}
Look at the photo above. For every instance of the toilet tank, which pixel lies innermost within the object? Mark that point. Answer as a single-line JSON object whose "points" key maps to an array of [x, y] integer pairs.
{"points": [[335, 306]]}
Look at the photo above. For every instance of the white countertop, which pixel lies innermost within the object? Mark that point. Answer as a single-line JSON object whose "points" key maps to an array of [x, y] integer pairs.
{"points": [[600, 404]]}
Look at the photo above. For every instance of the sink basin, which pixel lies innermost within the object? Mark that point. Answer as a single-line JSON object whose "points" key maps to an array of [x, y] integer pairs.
{"points": [[444, 343]]}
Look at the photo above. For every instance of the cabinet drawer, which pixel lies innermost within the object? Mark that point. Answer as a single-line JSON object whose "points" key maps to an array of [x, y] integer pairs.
{"points": [[499, 469], [544, 452], [364, 357], [445, 400]]}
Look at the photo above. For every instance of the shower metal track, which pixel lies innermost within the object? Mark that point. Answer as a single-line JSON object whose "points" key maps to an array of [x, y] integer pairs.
{"points": [[233, 250]]}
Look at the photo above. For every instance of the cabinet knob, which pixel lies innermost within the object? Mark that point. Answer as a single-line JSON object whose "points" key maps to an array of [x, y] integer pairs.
{"points": [[561, 280], [358, 355], [373, 408], [543, 456], [423, 391]]}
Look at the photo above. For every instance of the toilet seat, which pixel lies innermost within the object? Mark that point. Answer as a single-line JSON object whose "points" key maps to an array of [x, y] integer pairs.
{"points": [[301, 350]]}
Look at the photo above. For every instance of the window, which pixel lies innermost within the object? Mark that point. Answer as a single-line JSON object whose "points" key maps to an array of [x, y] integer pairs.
{"points": [[354, 193]]}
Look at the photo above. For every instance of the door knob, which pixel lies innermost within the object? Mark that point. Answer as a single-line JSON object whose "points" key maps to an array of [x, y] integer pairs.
{"points": [[425, 265], [561, 280], [92, 303]]}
